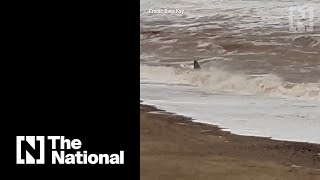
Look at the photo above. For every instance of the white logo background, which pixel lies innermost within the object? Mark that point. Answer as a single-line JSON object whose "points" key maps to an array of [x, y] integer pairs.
{"points": [[31, 140]]}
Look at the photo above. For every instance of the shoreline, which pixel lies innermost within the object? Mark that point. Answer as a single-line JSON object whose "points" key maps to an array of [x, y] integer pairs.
{"points": [[168, 139], [225, 129]]}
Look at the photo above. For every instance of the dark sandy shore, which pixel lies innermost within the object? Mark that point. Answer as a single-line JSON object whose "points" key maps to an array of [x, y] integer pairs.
{"points": [[174, 147]]}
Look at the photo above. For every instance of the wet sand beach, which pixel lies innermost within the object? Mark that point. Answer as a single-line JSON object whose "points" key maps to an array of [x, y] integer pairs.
{"points": [[174, 147]]}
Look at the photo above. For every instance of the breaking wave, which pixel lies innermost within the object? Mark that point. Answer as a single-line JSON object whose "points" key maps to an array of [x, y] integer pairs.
{"points": [[307, 41], [217, 80]]}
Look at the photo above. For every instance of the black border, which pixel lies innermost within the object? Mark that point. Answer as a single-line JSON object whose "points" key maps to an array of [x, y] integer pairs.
{"points": [[73, 70]]}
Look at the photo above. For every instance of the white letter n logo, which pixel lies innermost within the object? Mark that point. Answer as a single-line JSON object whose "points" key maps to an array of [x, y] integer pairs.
{"points": [[30, 149]]}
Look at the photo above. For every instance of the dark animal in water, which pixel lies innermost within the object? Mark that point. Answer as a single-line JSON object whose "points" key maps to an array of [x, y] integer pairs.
{"points": [[196, 65]]}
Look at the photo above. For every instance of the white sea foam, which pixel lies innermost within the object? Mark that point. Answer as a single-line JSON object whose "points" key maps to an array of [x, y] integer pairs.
{"points": [[278, 118], [217, 80]]}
